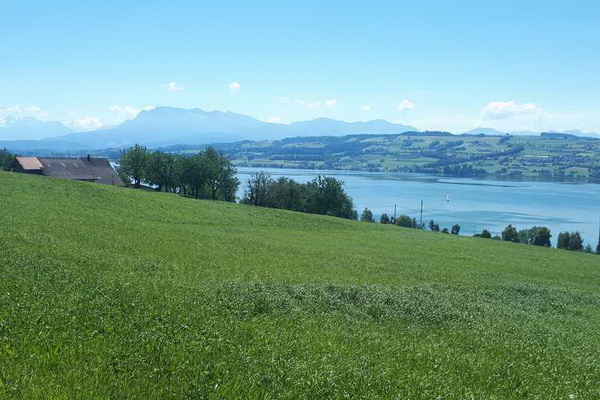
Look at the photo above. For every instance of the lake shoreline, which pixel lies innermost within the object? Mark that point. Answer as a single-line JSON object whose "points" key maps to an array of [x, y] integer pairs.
{"points": [[494, 177]]}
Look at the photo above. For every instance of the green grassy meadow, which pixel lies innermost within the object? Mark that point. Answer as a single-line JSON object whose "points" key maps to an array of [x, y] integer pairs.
{"points": [[110, 292]]}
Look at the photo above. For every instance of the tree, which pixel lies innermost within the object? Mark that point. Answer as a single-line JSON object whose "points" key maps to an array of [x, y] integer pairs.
{"points": [[485, 234], [525, 236], [588, 249], [287, 194], [367, 216], [219, 174], [445, 230], [541, 236], [406, 221], [510, 234], [455, 229], [179, 185], [132, 164], [562, 242], [325, 195], [384, 219], [160, 170], [575, 241], [228, 182], [258, 189], [192, 175]]}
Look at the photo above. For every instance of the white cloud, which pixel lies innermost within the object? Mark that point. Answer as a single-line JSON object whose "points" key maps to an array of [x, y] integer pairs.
{"points": [[125, 112], [86, 123], [317, 105], [284, 100], [313, 105], [275, 120], [234, 87], [510, 109], [2, 122], [365, 107], [173, 87], [20, 111], [511, 116], [406, 105], [128, 112]]}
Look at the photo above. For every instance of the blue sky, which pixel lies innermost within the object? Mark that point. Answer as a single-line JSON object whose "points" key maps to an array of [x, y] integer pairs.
{"points": [[454, 65]]}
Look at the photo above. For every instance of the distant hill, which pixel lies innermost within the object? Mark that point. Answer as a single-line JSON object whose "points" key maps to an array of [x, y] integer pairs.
{"points": [[577, 132], [559, 135], [485, 131]]}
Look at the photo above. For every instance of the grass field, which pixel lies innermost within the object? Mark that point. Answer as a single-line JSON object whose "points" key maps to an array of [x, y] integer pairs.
{"points": [[114, 293]]}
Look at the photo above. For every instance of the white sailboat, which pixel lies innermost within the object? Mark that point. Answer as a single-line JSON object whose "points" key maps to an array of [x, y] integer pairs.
{"points": [[447, 197]]}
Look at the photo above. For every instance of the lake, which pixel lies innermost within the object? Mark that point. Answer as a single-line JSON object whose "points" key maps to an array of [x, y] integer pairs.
{"points": [[474, 204]]}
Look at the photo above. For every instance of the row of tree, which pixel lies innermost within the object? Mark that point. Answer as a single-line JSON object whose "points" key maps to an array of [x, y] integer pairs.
{"points": [[535, 236], [323, 195], [540, 236], [208, 174], [407, 222]]}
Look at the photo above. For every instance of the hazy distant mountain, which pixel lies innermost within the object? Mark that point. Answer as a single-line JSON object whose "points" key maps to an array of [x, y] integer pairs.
{"points": [[485, 131], [577, 132], [332, 127], [30, 129], [41, 145], [164, 126], [167, 126]]}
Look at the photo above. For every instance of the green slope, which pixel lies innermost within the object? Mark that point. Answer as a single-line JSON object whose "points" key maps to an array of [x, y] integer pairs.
{"points": [[115, 293]]}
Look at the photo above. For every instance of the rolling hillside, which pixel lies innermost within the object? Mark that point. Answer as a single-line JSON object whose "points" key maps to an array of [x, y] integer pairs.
{"points": [[548, 157], [108, 292]]}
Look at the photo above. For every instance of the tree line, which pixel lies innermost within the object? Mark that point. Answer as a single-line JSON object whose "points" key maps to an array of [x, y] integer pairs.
{"points": [[535, 236], [406, 221], [322, 195], [540, 236], [206, 175]]}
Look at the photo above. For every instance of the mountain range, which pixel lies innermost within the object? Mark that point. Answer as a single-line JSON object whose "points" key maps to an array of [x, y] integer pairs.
{"points": [[29, 128], [166, 126]]}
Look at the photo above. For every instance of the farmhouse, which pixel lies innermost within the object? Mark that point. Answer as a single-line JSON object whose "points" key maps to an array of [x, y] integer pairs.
{"points": [[80, 169]]}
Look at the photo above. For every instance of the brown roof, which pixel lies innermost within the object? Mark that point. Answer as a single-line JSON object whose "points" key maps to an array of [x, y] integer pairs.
{"points": [[30, 163], [85, 169], [81, 169]]}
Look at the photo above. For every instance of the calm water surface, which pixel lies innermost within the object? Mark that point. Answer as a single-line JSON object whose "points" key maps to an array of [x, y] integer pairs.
{"points": [[475, 204]]}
